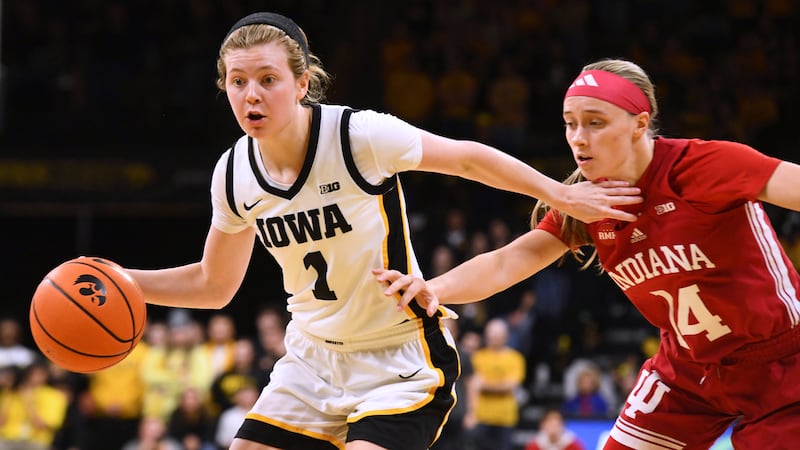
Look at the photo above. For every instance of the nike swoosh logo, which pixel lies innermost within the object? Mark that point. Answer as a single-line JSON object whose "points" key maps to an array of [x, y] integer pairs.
{"points": [[405, 377], [249, 207]]}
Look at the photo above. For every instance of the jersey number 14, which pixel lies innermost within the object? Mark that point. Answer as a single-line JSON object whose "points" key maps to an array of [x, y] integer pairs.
{"points": [[689, 304]]}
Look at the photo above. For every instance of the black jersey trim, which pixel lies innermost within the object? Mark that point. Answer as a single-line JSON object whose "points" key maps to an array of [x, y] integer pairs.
{"points": [[268, 434], [396, 242], [350, 163], [419, 428], [229, 182], [311, 152]]}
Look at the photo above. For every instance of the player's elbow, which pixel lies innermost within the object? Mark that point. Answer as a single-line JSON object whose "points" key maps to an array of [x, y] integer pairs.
{"points": [[217, 294], [221, 297]]}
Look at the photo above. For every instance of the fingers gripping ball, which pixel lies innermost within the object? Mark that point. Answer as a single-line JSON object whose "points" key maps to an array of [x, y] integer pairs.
{"points": [[87, 314]]}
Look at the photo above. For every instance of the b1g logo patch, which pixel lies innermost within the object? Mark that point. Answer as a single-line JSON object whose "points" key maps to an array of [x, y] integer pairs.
{"points": [[329, 187], [664, 208]]}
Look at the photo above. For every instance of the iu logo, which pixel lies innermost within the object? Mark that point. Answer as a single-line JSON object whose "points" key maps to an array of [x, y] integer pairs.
{"points": [[646, 395], [94, 288]]}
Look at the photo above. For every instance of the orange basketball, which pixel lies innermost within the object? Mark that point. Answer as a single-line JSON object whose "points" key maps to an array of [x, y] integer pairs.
{"points": [[87, 314]]}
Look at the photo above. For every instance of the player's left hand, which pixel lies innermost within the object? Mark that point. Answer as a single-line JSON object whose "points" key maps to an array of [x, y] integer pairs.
{"points": [[408, 287]]}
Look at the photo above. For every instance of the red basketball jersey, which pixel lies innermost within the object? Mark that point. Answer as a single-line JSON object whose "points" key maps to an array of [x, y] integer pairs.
{"points": [[702, 262]]}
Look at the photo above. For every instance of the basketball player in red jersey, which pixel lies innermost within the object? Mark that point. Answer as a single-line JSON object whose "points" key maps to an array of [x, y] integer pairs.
{"points": [[701, 262]]}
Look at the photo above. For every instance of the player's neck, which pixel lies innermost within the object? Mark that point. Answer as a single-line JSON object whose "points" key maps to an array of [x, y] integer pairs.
{"points": [[640, 159], [284, 154]]}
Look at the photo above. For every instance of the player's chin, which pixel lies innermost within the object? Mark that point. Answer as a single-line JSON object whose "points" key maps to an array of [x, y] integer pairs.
{"points": [[254, 132], [592, 175]]}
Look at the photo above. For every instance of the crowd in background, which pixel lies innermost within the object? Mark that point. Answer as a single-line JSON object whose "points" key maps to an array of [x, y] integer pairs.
{"points": [[554, 342], [143, 72], [137, 79], [186, 386]]}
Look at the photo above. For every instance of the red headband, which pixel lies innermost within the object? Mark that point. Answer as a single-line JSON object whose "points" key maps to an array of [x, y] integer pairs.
{"points": [[610, 87]]}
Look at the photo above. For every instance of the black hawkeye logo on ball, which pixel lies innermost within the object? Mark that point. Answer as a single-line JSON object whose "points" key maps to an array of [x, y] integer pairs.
{"points": [[96, 289]]}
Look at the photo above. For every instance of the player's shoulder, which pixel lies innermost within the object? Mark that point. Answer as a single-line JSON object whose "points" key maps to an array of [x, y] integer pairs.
{"points": [[697, 151], [233, 155], [361, 120], [702, 146], [238, 146]]}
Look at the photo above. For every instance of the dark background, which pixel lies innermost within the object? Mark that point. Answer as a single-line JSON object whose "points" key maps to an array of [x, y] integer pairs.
{"points": [[110, 122]]}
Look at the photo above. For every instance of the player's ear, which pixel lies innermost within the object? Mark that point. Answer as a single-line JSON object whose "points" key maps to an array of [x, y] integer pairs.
{"points": [[642, 124], [303, 82]]}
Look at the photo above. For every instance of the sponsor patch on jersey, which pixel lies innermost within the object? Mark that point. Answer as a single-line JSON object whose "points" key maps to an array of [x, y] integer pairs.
{"points": [[606, 233]]}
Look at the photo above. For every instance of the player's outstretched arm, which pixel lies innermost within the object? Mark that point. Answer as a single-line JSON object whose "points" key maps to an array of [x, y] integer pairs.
{"points": [[783, 188], [208, 284], [479, 277], [587, 202]]}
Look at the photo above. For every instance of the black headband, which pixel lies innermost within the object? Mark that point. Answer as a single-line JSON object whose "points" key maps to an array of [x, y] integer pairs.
{"points": [[278, 21]]}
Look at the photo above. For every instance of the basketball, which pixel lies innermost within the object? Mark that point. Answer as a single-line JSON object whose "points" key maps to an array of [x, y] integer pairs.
{"points": [[87, 314]]}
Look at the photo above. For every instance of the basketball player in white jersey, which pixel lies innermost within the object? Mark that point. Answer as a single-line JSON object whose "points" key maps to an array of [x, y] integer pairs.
{"points": [[317, 185]]}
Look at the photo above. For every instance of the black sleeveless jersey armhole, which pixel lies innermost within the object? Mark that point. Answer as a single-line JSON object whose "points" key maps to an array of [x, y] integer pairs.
{"points": [[229, 182], [347, 151]]}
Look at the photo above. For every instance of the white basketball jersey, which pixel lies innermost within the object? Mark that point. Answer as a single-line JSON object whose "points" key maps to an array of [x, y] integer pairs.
{"points": [[326, 231]]}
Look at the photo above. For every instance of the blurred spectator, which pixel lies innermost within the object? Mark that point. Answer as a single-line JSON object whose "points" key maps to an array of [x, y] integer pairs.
{"points": [[508, 95], [442, 260], [12, 352], [470, 342], [587, 402], [456, 92], [408, 92], [151, 435], [245, 372], [397, 48], [73, 434], [31, 411], [625, 376], [502, 303], [553, 434], [270, 331], [191, 424], [220, 343], [478, 243], [231, 419], [521, 323], [552, 288], [456, 233], [498, 372], [112, 403], [167, 370], [499, 233]]}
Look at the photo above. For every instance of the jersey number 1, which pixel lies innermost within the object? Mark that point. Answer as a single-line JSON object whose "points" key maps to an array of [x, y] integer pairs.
{"points": [[321, 289], [689, 303]]}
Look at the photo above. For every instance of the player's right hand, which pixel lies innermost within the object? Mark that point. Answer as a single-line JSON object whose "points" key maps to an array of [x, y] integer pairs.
{"points": [[408, 288]]}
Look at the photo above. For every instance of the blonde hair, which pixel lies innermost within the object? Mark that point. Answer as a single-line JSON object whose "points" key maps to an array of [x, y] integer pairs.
{"points": [[251, 35], [574, 232]]}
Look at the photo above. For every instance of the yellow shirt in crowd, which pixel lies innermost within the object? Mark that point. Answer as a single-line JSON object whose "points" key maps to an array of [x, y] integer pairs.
{"points": [[497, 366]]}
